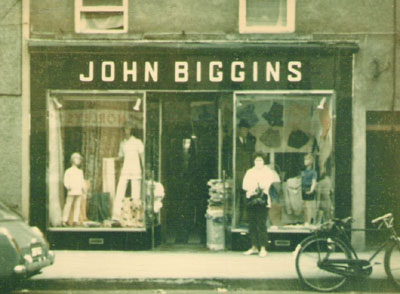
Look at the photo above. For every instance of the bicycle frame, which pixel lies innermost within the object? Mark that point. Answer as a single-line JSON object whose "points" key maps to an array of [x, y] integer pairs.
{"points": [[353, 266]]}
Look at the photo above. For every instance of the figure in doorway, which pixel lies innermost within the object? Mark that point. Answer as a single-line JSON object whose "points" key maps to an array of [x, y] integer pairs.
{"points": [[308, 185], [131, 151], [245, 148], [75, 184]]}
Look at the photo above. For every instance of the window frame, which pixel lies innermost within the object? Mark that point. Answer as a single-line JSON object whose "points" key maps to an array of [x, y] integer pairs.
{"points": [[79, 8], [265, 29]]}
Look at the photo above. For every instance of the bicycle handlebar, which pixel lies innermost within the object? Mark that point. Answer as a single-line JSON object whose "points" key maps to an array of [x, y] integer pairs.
{"points": [[388, 215]]}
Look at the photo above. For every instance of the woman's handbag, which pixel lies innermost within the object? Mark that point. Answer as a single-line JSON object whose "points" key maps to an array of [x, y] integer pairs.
{"points": [[259, 199]]}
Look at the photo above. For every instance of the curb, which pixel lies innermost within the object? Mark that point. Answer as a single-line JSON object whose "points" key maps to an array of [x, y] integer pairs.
{"points": [[363, 285]]}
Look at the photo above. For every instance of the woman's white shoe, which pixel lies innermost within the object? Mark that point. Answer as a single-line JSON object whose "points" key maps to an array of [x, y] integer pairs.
{"points": [[263, 253], [251, 251]]}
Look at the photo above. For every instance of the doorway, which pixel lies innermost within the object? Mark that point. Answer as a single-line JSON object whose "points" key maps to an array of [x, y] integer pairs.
{"points": [[383, 185], [189, 160]]}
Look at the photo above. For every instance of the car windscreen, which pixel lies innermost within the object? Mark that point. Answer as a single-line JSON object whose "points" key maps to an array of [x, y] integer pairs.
{"points": [[6, 213]]}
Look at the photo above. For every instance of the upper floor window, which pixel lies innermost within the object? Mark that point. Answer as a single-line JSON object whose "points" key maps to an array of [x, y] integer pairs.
{"points": [[267, 16], [101, 16]]}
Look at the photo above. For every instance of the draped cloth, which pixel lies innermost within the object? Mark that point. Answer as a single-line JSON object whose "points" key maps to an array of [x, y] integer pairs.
{"points": [[56, 166]]}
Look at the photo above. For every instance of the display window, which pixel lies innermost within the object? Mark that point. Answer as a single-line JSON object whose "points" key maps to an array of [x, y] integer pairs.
{"points": [[98, 173], [294, 132]]}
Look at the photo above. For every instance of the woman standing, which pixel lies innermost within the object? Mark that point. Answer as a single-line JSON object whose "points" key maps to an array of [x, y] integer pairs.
{"points": [[257, 182]]}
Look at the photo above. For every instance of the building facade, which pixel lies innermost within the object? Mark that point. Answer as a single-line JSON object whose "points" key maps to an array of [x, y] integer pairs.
{"points": [[188, 76]]}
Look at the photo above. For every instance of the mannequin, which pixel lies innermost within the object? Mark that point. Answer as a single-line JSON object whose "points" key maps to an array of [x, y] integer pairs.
{"points": [[308, 185], [131, 152], [75, 184]]}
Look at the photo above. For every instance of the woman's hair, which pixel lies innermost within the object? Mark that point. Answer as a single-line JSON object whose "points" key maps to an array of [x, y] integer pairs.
{"points": [[259, 154]]}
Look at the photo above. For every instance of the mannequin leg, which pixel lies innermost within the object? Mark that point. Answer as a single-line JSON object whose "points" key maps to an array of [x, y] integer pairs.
{"points": [[77, 208], [122, 184], [136, 188], [67, 208], [308, 211]]}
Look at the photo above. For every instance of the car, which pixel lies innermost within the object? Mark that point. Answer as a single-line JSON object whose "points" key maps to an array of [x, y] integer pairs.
{"points": [[24, 250]]}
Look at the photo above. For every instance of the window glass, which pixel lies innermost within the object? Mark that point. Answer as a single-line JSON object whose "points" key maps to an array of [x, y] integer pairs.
{"points": [[102, 2], [266, 16], [295, 135], [266, 12], [101, 16], [96, 161]]}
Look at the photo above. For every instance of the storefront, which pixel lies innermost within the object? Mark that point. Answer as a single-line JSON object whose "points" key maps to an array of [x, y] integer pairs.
{"points": [[191, 108]]}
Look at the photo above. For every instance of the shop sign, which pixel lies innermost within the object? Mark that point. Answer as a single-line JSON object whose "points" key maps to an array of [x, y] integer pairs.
{"points": [[183, 71]]}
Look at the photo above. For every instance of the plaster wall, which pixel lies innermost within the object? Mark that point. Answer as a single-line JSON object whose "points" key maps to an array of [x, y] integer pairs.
{"points": [[10, 103]]}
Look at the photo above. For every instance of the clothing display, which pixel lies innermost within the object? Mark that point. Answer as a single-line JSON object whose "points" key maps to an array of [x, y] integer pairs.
{"points": [[135, 187], [275, 115], [325, 150], [75, 184], [324, 202], [292, 196], [271, 138], [156, 190], [247, 113], [74, 181], [99, 207], [307, 178], [298, 139], [132, 213], [109, 176], [130, 150]]}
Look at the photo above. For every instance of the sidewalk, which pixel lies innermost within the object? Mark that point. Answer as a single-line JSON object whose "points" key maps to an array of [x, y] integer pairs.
{"points": [[180, 270]]}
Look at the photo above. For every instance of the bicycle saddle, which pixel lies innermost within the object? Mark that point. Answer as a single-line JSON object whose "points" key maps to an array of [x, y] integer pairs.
{"points": [[343, 221]]}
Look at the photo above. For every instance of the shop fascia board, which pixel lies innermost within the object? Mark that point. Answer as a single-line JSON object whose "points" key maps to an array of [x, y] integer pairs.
{"points": [[76, 46]]}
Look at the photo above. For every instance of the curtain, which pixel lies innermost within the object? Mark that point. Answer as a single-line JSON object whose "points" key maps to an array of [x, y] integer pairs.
{"points": [[102, 21], [56, 166]]}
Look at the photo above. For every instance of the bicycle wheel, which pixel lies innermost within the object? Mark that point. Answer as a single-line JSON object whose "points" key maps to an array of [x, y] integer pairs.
{"points": [[313, 250], [392, 263]]}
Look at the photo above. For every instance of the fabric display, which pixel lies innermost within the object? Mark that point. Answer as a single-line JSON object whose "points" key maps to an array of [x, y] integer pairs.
{"points": [[247, 113], [109, 176], [132, 214], [275, 214], [99, 207], [325, 119], [155, 189], [324, 201], [325, 150], [298, 139], [275, 115], [292, 194], [271, 138], [218, 191]]}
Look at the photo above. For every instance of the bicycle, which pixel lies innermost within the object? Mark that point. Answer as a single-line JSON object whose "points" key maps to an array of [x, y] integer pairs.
{"points": [[326, 260]]}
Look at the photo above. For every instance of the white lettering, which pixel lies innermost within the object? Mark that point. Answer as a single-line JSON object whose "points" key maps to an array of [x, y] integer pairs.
{"points": [[275, 72], [89, 78], [295, 75], [198, 71], [181, 71], [130, 71], [255, 71], [215, 75], [150, 70], [237, 76], [108, 66]]}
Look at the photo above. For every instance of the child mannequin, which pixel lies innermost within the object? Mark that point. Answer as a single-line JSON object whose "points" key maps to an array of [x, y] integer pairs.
{"points": [[308, 184], [75, 184]]}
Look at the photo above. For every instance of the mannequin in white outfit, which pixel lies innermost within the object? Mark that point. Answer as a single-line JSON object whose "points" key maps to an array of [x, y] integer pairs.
{"points": [[131, 152], [75, 184]]}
